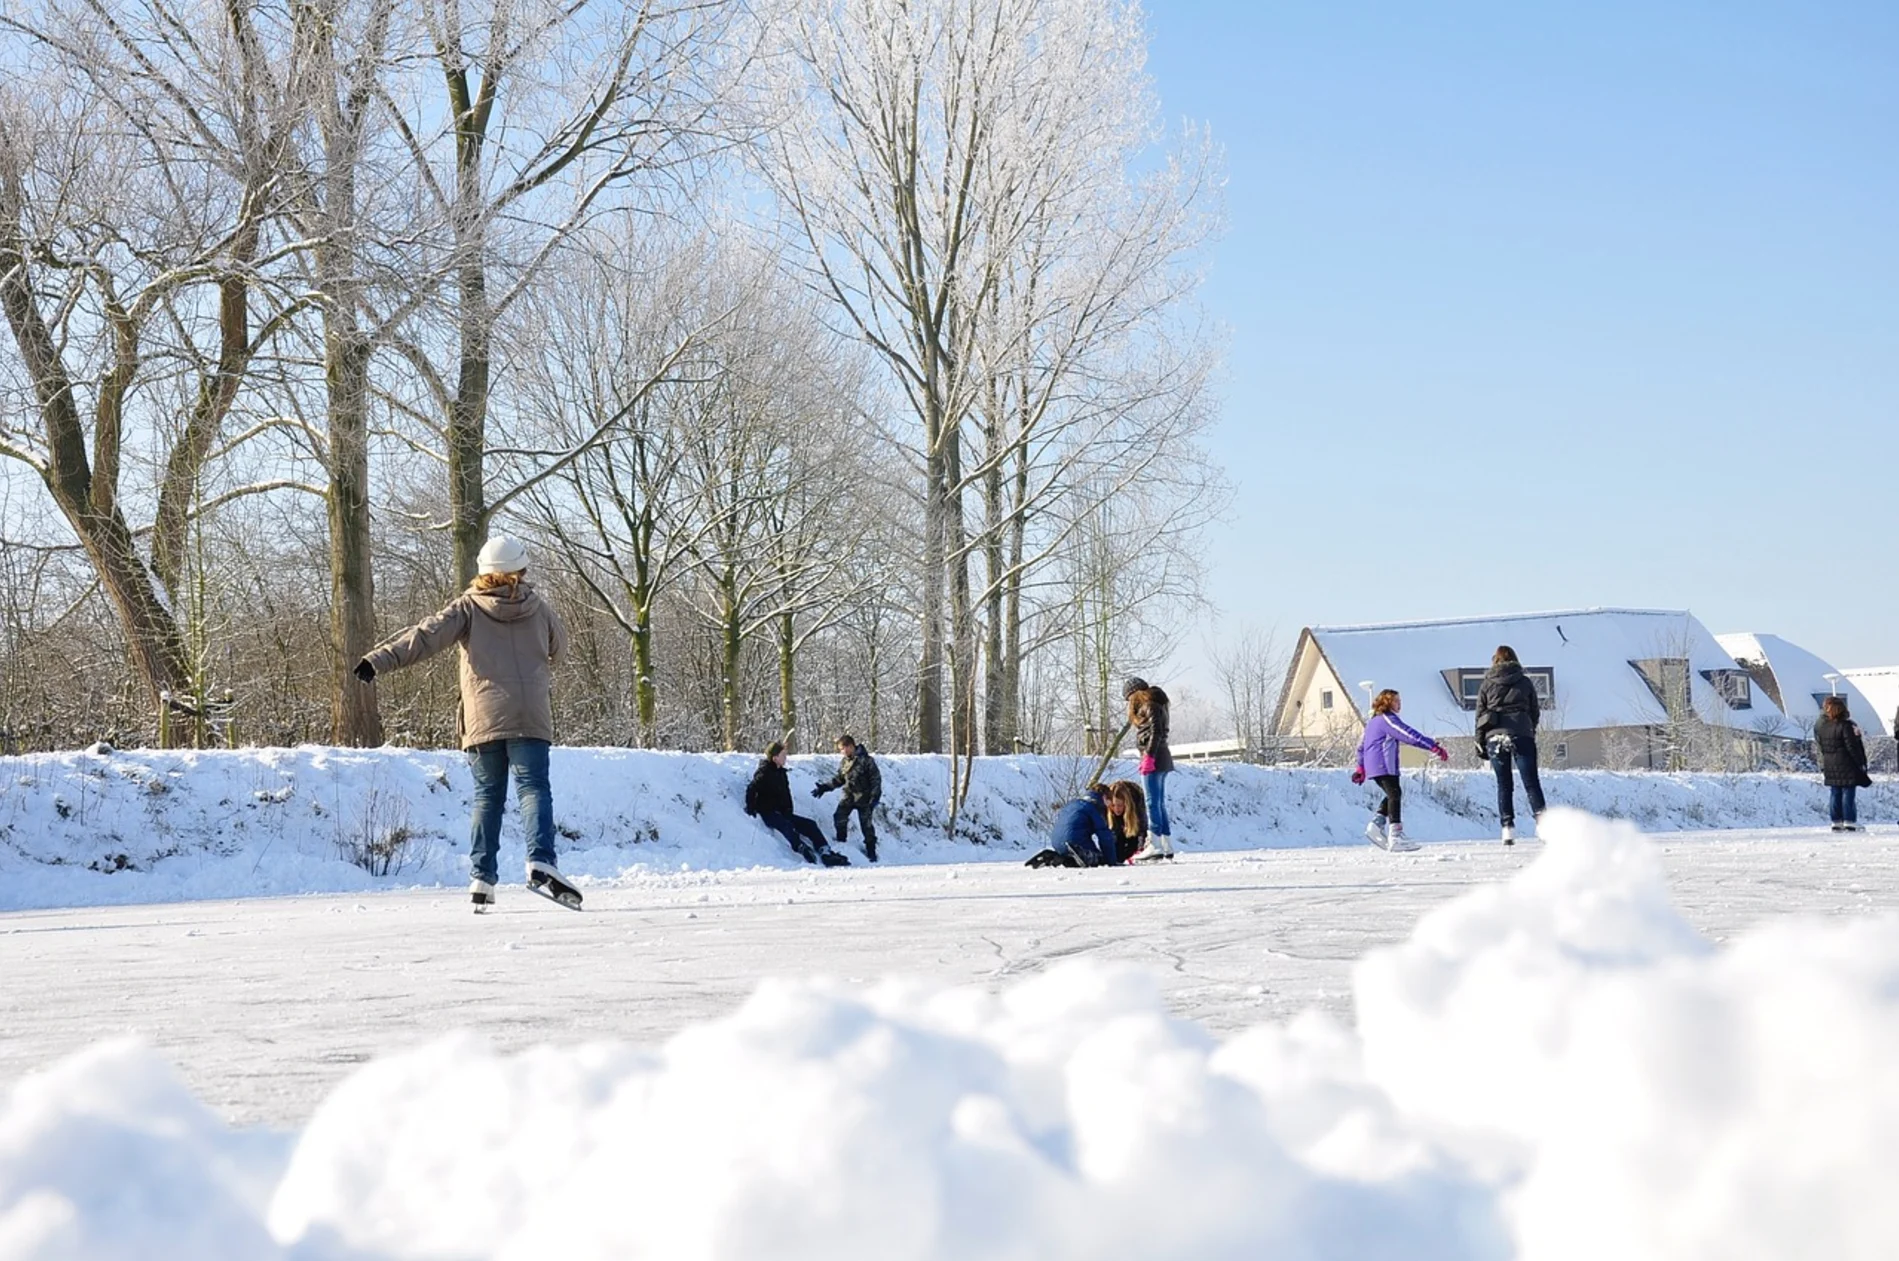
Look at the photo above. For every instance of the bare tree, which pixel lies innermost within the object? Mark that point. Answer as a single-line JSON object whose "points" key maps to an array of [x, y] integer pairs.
{"points": [[935, 168], [1250, 671], [135, 186], [553, 109]]}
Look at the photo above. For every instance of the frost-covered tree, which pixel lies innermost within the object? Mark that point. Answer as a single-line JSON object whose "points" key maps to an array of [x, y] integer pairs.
{"points": [[967, 181]]}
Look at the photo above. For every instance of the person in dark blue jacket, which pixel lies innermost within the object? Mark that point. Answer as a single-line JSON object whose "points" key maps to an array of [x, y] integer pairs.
{"points": [[1081, 836]]}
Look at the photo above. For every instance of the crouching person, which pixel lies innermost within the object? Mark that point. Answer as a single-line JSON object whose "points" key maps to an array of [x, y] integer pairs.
{"points": [[768, 799], [510, 638], [1081, 836], [863, 786]]}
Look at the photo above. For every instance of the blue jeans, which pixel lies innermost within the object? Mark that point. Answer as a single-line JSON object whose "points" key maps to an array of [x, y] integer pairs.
{"points": [[1154, 784], [1842, 806], [1524, 755], [491, 762], [802, 834]]}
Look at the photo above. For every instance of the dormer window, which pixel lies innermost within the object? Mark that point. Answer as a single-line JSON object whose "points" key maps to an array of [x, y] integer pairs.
{"points": [[1667, 679], [1465, 682], [1735, 687]]}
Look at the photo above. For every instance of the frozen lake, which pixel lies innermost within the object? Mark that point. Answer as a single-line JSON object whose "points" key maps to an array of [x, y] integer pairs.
{"points": [[266, 1004]]}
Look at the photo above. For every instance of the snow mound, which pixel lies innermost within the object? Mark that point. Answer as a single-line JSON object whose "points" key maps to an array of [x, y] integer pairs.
{"points": [[1550, 1069], [84, 829]]}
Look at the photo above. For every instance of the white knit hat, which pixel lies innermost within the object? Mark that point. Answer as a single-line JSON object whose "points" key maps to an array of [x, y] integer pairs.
{"points": [[502, 555]]}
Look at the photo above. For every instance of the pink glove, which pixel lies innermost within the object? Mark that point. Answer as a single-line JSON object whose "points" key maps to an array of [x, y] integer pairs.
{"points": [[1358, 775], [1442, 755], [1147, 765]]}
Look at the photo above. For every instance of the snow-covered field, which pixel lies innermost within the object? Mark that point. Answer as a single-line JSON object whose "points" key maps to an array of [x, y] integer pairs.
{"points": [[1284, 1044]]}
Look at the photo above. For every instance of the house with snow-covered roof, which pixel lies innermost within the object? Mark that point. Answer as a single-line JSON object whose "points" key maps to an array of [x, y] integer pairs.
{"points": [[1800, 681], [1617, 686], [1880, 686]]}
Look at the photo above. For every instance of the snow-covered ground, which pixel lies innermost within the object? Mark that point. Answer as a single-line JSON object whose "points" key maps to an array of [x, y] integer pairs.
{"points": [[1595, 1045], [96, 829]]}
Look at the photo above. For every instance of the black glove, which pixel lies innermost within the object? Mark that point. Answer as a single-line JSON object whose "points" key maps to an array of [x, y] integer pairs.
{"points": [[818, 791], [365, 671]]}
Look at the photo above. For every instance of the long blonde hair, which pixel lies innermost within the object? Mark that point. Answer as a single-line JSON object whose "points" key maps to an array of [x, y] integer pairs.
{"points": [[1381, 704], [494, 582], [1132, 821]]}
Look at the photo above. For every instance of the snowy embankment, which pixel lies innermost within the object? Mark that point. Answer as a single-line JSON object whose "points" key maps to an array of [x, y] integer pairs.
{"points": [[89, 828], [1550, 1068]]}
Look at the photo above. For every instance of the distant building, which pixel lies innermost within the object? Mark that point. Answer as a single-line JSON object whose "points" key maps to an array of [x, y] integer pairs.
{"points": [[1619, 687], [1880, 686], [1798, 681]]}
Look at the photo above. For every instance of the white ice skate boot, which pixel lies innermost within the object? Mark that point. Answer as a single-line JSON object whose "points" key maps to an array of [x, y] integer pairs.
{"points": [[1509, 834], [1153, 849], [546, 880], [1375, 832], [482, 894], [1396, 841]]}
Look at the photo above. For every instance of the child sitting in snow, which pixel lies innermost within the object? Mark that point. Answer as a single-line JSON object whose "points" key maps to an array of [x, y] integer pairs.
{"points": [[1378, 762]]}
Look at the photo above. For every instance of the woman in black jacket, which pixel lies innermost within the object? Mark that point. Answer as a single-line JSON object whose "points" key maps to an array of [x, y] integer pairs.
{"points": [[1842, 753], [768, 799], [1507, 714]]}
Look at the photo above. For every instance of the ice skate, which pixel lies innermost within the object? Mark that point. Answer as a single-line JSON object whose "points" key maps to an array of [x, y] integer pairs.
{"points": [[1375, 833], [1509, 834], [482, 894], [546, 880], [1396, 841]]}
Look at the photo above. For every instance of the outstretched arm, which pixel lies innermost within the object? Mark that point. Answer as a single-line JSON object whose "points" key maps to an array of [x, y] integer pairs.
{"points": [[421, 641], [1416, 739]]}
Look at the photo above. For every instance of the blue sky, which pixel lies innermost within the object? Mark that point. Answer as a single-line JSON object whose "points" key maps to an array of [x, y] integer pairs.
{"points": [[1539, 306]]}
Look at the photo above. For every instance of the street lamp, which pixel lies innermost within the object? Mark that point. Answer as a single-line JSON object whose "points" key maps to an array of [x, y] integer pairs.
{"points": [[1833, 681], [1367, 684]]}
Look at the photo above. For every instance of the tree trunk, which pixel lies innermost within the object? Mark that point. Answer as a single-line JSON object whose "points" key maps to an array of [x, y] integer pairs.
{"points": [[468, 421], [645, 699], [184, 468], [731, 640], [355, 718], [930, 667], [1011, 672], [997, 737], [787, 678], [963, 655], [468, 415]]}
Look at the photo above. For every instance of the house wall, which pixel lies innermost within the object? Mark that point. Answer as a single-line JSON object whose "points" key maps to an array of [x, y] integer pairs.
{"points": [[1308, 717]]}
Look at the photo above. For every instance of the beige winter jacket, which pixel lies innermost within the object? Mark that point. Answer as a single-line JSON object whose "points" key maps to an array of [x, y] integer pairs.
{"points": [[510, 640]]}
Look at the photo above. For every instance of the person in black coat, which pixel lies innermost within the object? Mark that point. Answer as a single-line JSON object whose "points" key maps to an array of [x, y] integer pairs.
{"points": [[1507, 714], [768, 799], [1841, 750]]}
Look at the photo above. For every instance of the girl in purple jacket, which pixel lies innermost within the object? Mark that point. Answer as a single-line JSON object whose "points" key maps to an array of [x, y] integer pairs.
{"points": [[1378, 762]]}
